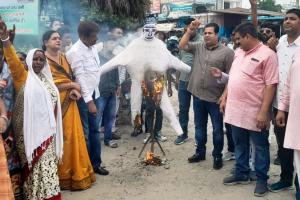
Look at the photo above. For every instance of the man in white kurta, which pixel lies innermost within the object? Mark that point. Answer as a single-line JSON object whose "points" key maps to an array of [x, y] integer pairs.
{"points": [[290, 100], [288, 45]]}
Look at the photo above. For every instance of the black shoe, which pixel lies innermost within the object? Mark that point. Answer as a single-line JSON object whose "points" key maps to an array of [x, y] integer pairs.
{"points": [[233, 180], [196, 158], [280, 186], [115, 136], [218, 163], [260, 190], [277, 161], [101, 171], [181, 139]]}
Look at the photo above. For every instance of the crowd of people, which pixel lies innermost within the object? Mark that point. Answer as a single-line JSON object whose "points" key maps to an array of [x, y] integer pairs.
{"points": [[55, 101], [259, 88]]}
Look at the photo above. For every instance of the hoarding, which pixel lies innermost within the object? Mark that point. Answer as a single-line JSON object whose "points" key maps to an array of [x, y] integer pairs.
{"points": [[22, 13], [174, 10], [178, 8]]}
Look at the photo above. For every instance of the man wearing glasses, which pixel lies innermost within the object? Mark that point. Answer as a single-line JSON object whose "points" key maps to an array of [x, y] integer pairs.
{"points": [[267, 35], [267, 31]]}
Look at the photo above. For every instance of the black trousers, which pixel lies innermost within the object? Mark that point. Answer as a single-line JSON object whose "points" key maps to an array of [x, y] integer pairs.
{"points": [[153, 112], [286, 155], [230, 143], [297, 183]]}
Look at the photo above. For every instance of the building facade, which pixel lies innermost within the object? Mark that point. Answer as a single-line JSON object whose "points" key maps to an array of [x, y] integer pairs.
{"points": [[177, 8], [288, 4], [225, 4]]}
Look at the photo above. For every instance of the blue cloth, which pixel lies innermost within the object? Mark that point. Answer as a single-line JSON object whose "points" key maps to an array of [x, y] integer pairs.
{"points": [[184, 97], [106, 115], [91, 131], [201, 111], [241, 138]]}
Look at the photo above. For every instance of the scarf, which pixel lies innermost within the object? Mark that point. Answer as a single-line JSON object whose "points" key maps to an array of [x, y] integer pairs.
{"points": [[40, 122]]}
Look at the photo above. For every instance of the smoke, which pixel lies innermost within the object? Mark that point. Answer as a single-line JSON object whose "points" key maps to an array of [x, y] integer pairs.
{"points": [[70, 13]]}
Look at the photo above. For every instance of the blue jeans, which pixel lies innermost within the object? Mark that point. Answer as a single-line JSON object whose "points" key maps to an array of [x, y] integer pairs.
{"points": [[106, 115], [91, 132], [201, 111], [184, 97], [241, 139]]}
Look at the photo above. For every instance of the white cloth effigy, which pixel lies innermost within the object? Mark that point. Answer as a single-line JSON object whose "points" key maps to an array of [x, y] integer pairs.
{"points": [[140, 56]]}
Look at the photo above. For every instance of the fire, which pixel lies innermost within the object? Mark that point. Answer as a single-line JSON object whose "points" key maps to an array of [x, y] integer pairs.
{"points": [[149, 156], [151, 159]]}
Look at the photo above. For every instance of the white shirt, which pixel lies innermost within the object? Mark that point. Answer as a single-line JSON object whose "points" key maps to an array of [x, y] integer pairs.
{"points": [[85, 64], [230, 45], [285, 54], [223, 79]]}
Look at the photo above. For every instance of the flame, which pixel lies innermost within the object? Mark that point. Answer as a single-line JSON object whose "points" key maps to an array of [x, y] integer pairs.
{"points": [[149, 156], [151, 159]]}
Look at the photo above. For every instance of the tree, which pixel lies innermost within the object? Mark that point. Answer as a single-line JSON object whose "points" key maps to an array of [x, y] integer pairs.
{"points": [[127, 14], [93, 13], [269, 5], [135, 9]]}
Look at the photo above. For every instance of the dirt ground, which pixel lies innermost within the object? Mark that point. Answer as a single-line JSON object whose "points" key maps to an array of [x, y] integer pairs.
{"points": [[178, 180]]}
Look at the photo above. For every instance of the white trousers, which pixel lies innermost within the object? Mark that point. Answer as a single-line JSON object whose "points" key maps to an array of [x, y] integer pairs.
{"points": [[297, 163]]}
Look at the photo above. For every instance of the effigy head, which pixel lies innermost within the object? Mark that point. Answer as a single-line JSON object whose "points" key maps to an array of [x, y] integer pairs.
{"points": [[149, 31]]}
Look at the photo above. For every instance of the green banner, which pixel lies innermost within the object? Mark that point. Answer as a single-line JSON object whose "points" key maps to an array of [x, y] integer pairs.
{"points": [[22, 13]]}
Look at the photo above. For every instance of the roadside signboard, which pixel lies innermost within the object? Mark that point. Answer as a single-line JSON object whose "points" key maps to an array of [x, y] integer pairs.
{"points": [[22, 13]]}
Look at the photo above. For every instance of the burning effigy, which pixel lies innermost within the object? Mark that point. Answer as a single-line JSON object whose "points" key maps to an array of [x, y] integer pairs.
{"points": [[143, 54]]}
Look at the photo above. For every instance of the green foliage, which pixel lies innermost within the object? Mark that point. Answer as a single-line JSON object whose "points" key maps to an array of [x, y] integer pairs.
{"points": [[269, 5], [134, 9], [115, 12], [126, 14], [113, 20]]}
